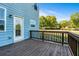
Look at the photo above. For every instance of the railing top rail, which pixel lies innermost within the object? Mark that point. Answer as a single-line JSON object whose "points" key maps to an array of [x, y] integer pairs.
{"points": [[57, 31], [75, 36]]}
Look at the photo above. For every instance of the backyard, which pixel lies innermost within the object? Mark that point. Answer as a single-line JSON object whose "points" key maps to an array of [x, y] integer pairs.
{"points": [[55, 23], [58, 36], [76, 32]]}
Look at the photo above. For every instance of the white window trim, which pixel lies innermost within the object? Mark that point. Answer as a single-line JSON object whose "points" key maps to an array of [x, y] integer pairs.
{"points": [[4, 19]]}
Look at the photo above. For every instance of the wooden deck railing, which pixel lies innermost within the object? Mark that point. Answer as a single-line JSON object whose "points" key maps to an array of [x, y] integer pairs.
{"points": [[55, 36], [73, 41], [63, 37]]}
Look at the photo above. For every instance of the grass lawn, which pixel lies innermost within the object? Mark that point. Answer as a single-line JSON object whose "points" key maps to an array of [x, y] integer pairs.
{"points": [[76, 32]]}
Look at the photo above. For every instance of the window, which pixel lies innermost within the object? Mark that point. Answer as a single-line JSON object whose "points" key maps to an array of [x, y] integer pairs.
{"points": [[2, 19], [32, 23]]}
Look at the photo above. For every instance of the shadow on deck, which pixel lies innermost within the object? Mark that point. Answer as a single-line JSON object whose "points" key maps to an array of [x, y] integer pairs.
{"points": [[35, 48]]}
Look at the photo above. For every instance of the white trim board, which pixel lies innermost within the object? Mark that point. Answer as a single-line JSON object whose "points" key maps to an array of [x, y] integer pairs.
{"points": [[5, 12], [21, 29]]}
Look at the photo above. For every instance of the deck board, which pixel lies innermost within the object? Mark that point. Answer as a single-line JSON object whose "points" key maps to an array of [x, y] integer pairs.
{"points": [[35, 48]]}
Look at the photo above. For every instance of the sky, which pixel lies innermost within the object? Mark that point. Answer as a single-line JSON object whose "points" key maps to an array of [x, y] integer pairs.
{"points": [[62, 11]]}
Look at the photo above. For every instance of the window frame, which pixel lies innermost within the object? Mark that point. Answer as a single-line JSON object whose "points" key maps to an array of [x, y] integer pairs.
{"points": [[4, 19]]}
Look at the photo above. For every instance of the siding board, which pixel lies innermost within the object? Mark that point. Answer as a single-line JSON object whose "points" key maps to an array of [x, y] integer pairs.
{"points": [[25, 10]]}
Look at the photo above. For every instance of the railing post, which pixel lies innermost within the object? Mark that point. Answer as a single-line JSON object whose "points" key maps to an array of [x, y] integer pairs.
{"points": [[77, 48], [73, 44], [30, 34], [62, 38], [68, 38], [42, 36]]}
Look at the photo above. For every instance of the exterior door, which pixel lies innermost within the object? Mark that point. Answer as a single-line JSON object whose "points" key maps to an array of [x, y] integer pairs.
{"points": [[18, 29]]}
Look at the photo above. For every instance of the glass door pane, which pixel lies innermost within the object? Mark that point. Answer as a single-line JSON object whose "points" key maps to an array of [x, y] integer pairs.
{"points": [[18, 30]]}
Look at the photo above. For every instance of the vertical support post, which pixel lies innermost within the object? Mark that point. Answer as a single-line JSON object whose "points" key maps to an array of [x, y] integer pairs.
{"points": [[30, 34], [62, 38], [77, 48], [42, 36], [68, 38]]}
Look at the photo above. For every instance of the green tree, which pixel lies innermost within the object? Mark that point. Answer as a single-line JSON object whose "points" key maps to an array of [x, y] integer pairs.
{"points": [[42, 21], [63, 24], [51, 21], [75, 20], [48, 21]]}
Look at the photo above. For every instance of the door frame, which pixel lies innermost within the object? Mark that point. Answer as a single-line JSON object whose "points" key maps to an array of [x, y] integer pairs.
{"points": [[14, 35]]}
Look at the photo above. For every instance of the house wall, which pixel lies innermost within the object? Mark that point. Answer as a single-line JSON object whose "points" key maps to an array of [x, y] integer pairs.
{"points": [[25, 10]]}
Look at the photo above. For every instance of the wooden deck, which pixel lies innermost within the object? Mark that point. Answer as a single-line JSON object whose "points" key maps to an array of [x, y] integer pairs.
{"points": [[35, 48]]}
